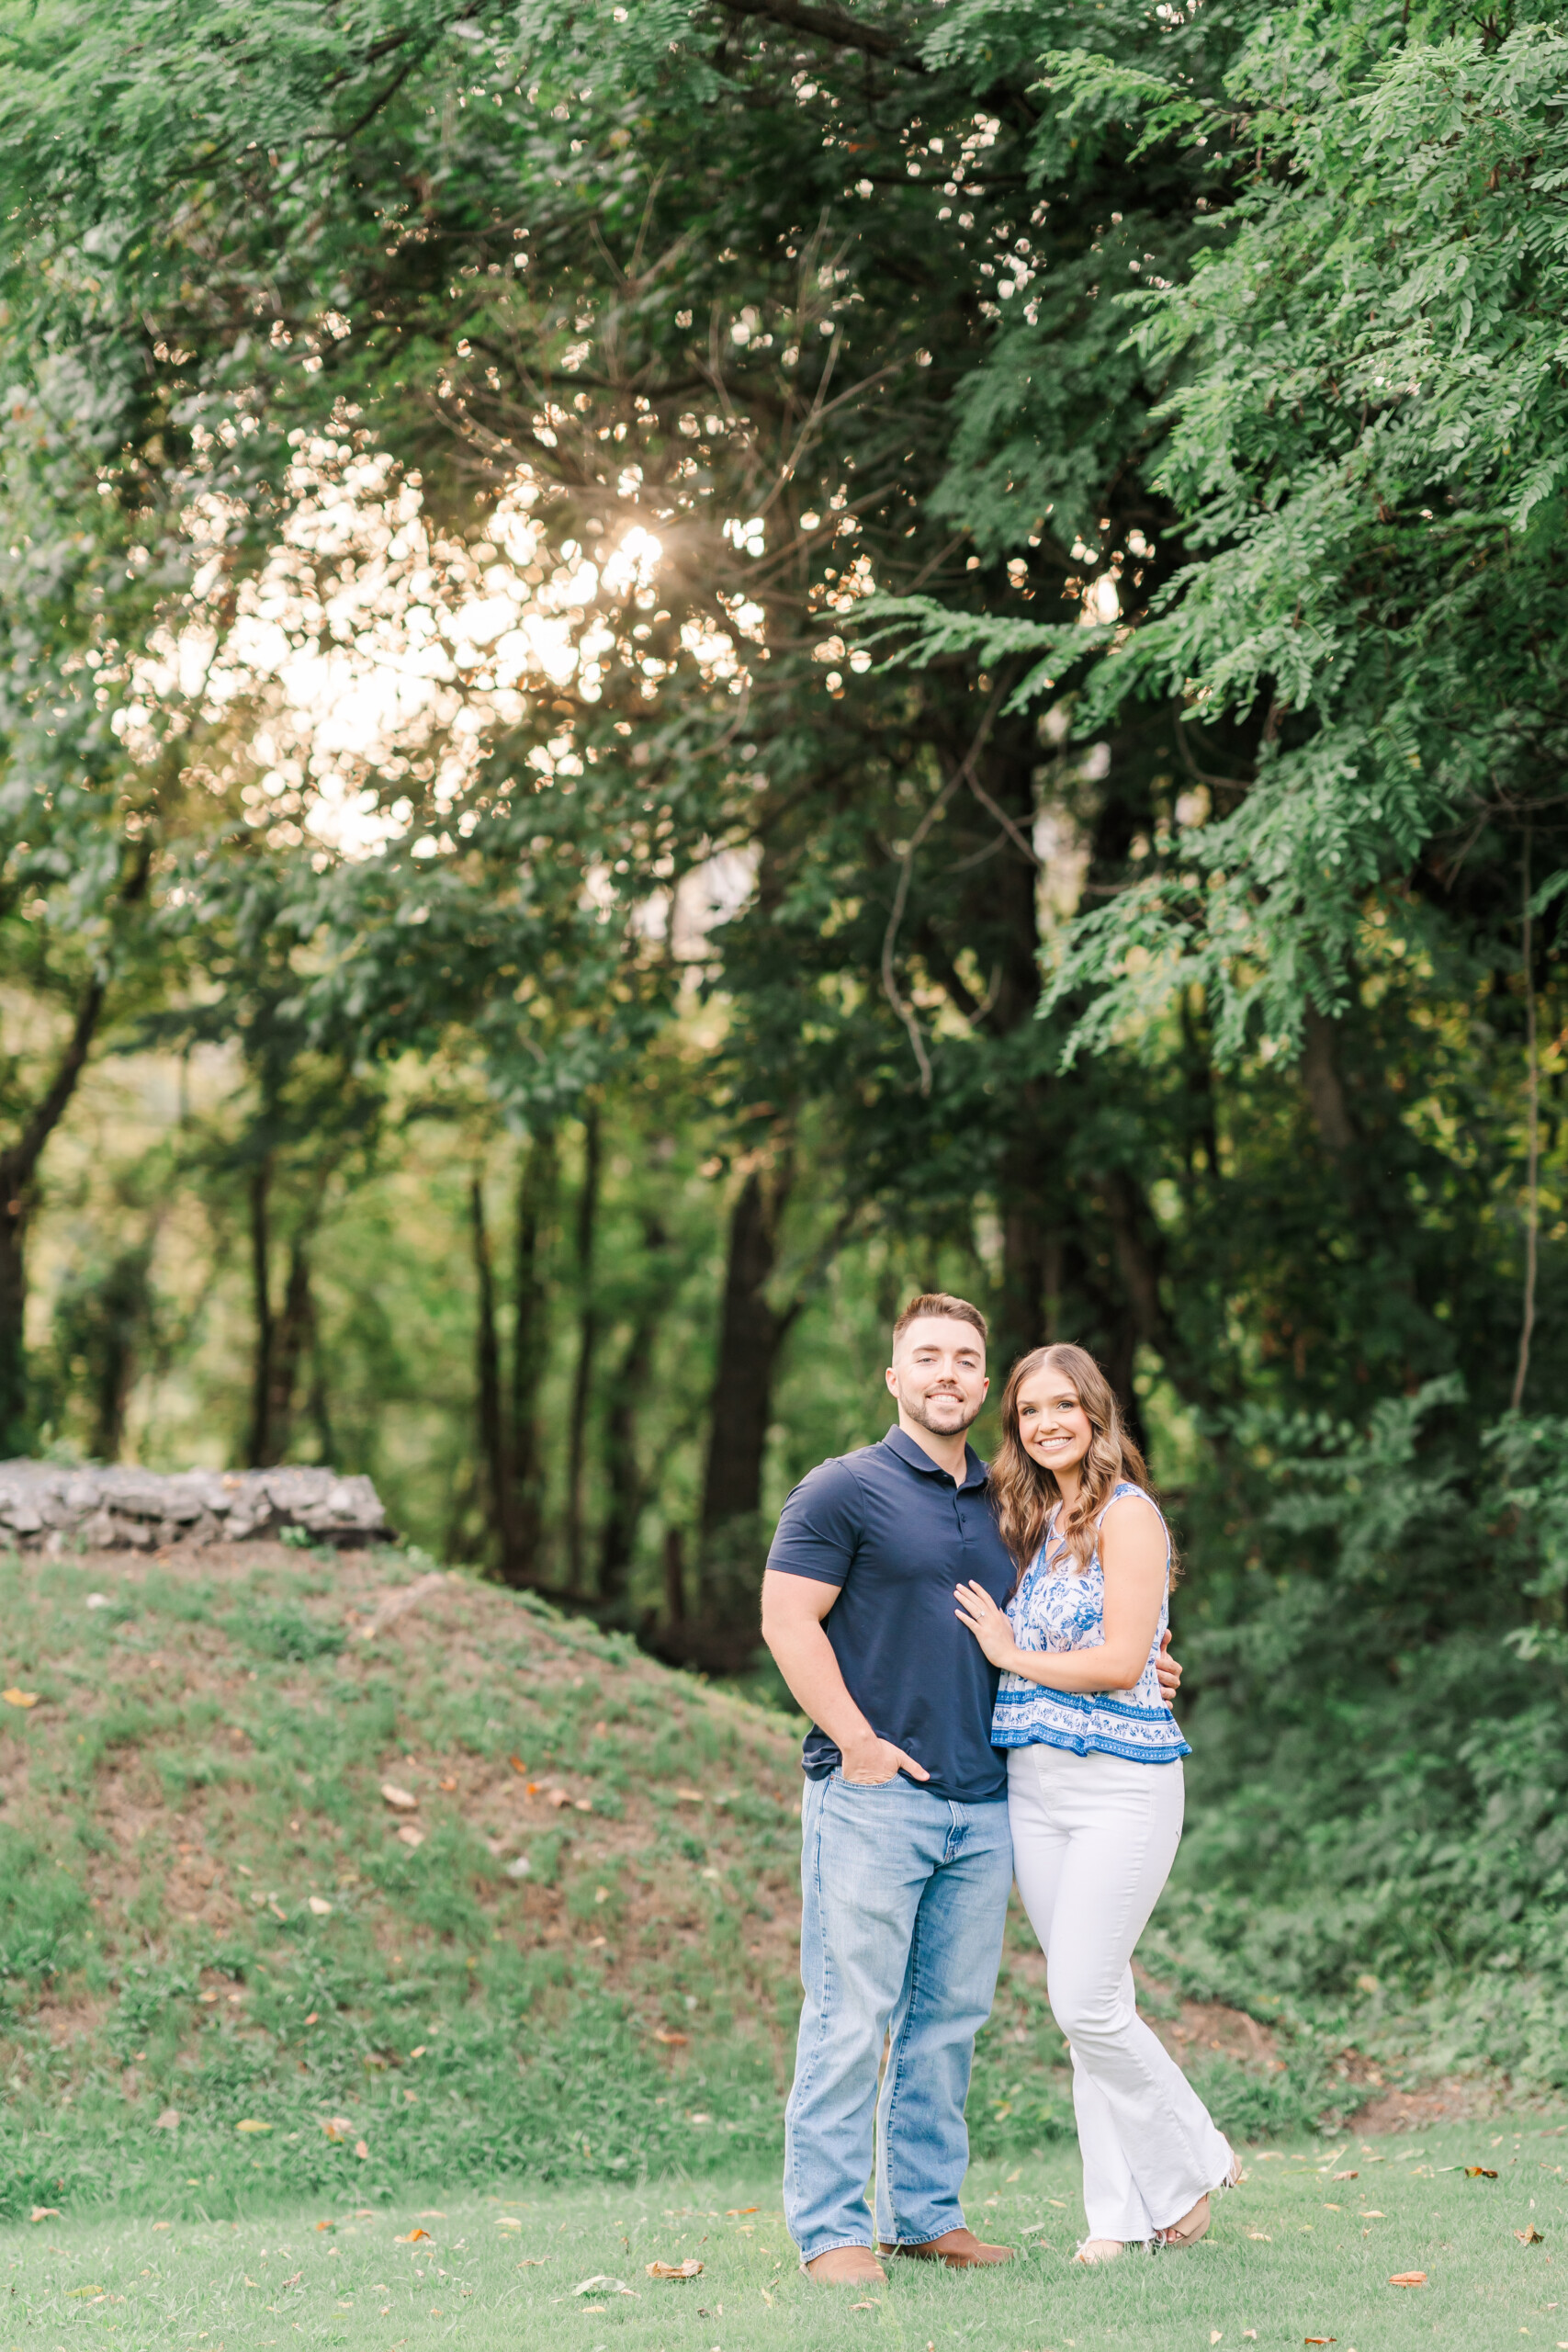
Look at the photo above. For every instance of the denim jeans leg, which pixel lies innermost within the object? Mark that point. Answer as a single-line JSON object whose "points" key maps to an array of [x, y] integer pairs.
{"points": [[867, 1854], [922, 2139]]}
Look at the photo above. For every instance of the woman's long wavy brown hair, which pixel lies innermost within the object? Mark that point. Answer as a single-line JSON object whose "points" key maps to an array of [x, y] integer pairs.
{"points": [[1026, 1494]]}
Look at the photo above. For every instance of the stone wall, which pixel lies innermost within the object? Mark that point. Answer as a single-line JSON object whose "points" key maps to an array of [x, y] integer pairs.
{"points": [[61, 1508]]}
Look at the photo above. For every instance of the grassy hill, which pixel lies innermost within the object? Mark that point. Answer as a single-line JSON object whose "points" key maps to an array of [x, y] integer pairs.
{"points": [[231, 1964]]}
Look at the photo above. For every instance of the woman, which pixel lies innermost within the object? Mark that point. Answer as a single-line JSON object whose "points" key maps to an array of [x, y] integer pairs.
{"points": [[1094, 1782]]}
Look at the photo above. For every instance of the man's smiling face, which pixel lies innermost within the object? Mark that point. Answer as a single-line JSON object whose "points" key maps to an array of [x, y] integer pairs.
{"points": [[938, 1373]]}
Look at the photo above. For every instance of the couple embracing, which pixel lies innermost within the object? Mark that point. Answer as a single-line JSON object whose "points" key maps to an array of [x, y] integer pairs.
{"points": [[982, 1654]]}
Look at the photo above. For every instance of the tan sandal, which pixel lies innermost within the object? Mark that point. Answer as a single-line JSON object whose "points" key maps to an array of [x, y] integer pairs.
{"points": [[1196, 2224]]}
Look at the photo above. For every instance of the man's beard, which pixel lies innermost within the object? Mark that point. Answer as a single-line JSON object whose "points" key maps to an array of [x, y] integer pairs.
{"points": [[920, 1412]]}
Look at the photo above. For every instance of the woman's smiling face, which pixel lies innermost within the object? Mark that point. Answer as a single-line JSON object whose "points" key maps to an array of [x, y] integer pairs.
{"points": [[1052, 1427]]}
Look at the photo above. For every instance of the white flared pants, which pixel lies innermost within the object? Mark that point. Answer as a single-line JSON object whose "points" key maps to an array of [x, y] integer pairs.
{"points": [[1093, 1841]]}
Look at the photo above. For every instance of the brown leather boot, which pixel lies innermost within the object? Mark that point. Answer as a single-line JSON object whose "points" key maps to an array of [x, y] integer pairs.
{"points": [[846, 2266], [959, 2249]]}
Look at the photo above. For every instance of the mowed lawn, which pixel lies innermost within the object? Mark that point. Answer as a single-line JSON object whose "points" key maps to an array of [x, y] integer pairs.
{"points": [[1303, 2252]]}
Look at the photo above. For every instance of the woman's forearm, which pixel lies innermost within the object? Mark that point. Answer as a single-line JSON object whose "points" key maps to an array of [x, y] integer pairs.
{"points": [[1101, 1668]]}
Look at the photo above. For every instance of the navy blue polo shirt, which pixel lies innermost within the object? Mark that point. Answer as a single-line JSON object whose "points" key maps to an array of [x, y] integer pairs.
{"points": [[895, 1535]]}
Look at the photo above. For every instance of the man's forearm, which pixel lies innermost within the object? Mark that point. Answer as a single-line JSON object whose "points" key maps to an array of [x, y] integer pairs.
{"points": [[804, 1656]]}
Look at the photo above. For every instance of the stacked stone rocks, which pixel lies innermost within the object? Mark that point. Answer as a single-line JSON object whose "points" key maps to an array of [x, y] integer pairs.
{"points": [[60, 1508]]}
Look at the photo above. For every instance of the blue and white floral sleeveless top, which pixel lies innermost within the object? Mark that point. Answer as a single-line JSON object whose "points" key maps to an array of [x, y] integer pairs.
{"points": [[1055, 1609]]}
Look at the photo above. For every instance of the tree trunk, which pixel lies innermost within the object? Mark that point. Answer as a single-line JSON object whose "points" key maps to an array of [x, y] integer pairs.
{"points": [[675, 1577], [123, 1317], [290, 1337], [750, 1336], [497, 1483], [18, 1165], [258, 1446], [1325, 1088], [1030, 1175], [623, 1476], [587, 1341], [524, 1563]]}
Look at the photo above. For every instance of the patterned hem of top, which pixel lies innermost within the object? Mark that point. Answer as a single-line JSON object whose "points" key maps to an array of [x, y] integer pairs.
{"points": [[1031, 1694], [1091, 1742]]}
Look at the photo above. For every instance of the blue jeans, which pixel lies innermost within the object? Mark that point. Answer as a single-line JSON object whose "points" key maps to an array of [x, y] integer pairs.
{"points": [[904, 1901]]}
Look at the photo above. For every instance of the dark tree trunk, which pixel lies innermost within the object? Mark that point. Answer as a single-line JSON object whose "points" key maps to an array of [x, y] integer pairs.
{"points": [[721, 1635], [623, 1476], [123, 1317], [258, 1444], [320, 1408], [497, 1484], [751, 1334], [18, 1165], [675, 1577], [586, 1341], [290, 1336], [15, 1427], [1030, 1170], [524, 1563]]}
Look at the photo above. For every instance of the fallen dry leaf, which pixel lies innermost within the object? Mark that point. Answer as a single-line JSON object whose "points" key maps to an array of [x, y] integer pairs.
{"points": [[671, 2040], [361, 2150], [1531, 2236], [1478, 2172], [518, 1766], [1250, 2334], [533, 2262], [326, 2225], [44, 2213], [690, 1796], [739, 2213], [446, 1786], [557, 1797], [169, 2119], [431, 2213], [601, 2282], [1372, 2214], [324, 1910], [1408, 2278], [863, 2307], [690, 2268], [411, 2237], [1320, 2340], [162, 2225], [250, 2124], [15, 1698], [401, 1800], [1214, 2335], [337, 2127], [1346, 2175], [409, 1835], [208, 1997]]}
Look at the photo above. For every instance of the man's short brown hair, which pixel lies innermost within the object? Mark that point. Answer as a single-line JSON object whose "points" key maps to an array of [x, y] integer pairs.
{"points": [[940, 1302]]}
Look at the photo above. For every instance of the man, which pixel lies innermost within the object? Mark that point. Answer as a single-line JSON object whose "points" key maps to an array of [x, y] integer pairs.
{"points": [[906, 1860]]}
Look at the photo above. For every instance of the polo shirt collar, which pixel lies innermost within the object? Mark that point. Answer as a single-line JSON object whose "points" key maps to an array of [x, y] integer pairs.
{"points": [[898, 1441]]}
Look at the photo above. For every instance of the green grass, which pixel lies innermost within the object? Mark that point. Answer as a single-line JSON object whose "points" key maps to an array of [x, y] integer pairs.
{"points": [[1295, 2254]]}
